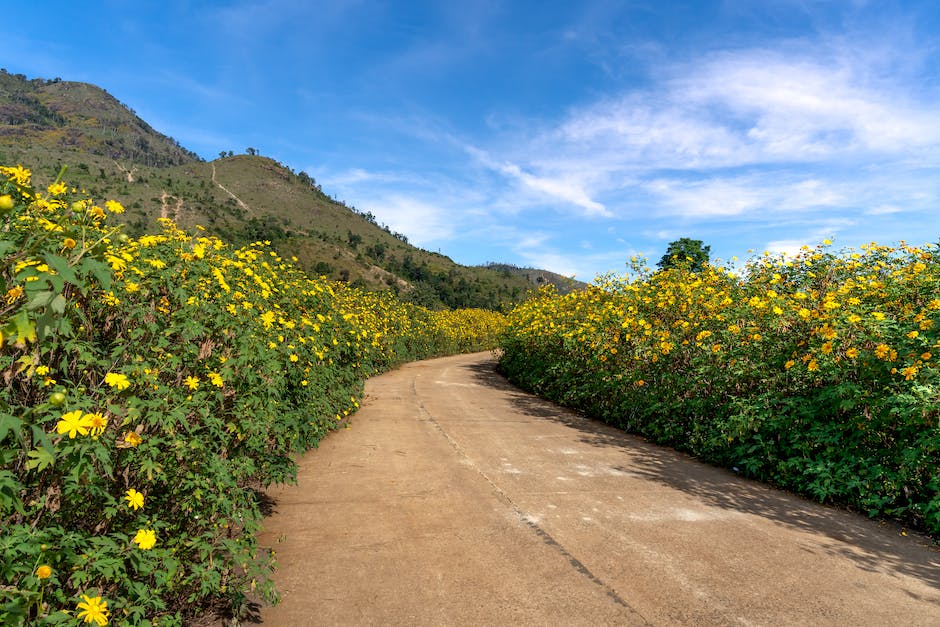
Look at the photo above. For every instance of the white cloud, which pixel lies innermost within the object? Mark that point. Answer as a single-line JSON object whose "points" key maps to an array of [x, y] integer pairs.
{"points": [[423, 223], [807, 127], [566, 188], [727, 197], [881, 210]]}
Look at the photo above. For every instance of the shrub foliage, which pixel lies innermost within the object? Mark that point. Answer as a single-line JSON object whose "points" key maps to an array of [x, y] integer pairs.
{"points": [[817, 373], [152, 386]]}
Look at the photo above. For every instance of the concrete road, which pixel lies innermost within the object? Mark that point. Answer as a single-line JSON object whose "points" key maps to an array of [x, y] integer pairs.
{"points": [[456, 499]]}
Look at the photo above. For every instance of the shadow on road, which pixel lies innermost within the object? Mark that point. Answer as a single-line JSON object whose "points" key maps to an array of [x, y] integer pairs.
{"points": [[870, 545]]}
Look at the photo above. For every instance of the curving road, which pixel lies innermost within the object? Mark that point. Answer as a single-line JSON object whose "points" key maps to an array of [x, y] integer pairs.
{"points": [[457, 499]]}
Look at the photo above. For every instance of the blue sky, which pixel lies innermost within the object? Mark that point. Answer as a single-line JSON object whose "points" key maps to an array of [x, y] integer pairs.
{"points": [[563, 135]]}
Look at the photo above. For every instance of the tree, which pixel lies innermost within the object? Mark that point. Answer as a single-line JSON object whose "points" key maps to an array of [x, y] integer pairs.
{"points": [[686, 253], [252, 151]]}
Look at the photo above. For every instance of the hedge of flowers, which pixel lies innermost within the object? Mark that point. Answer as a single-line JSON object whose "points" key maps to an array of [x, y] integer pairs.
{"points": [[151, 388], [817, 373]]}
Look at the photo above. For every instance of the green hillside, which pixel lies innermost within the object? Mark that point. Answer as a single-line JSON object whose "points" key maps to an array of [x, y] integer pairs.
{"points": [[111, 152]]}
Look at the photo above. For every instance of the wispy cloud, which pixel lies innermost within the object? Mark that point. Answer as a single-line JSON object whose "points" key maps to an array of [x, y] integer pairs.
{"points": [[566, 188], [741, 132], [424, 223]]}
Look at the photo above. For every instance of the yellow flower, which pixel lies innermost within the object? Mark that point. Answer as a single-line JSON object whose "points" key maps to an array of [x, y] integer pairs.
{"points": [[114, 207], [812, 366], [14, 293], [790, 363], [6, 202], [882, 351], [96, 423], [639, 383], [57, 189], [877, 315], [73, 424], [68, 243], [117, 380], [294, 358], [96, 212], [134, 499], [909, 372], [93, 610], [852, 353], [145, 539], [19, 174], [191, 382], [44, 572], [131, 439], [216, 379], [926, 356], [913, 334]]}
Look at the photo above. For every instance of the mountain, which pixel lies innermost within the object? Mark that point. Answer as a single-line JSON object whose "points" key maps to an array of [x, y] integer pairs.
{"points": [[62, 115], [110, 152]]}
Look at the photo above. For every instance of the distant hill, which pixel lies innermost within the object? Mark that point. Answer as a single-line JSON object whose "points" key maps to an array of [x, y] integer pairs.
{"points": [[112, 153], [563, 284], [59, 114]]}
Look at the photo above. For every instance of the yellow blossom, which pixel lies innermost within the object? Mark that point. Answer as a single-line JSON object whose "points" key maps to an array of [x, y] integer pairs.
{"points": [[93, 610], [131, 439], [43, 572], [191, 382], [117, 380], [96, 423], [135, 500], [146, 539], [114, 207], [13, 294], [72, 423]]}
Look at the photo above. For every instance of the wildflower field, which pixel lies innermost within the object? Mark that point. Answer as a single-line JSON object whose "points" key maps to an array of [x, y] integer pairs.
{"points": [[151, 388], [817, 373]]}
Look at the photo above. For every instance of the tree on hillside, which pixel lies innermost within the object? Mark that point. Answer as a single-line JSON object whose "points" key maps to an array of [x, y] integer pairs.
{"points": [[687, 253]]}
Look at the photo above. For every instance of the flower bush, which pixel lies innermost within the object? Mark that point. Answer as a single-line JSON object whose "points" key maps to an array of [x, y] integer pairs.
{"points": [[817, 373], [152, 388]]}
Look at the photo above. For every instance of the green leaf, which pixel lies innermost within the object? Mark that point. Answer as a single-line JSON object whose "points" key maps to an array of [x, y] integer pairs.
{"points": [[40, 299], [10, 423], [24, 327], [61, 265], [99, 270], [58, 304], [40, 458]]}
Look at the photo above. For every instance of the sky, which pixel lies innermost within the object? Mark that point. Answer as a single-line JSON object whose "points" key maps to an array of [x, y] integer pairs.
{"points": [[567, 135]]}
